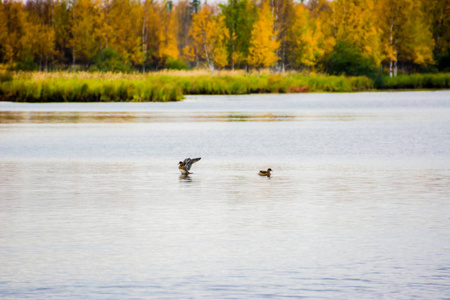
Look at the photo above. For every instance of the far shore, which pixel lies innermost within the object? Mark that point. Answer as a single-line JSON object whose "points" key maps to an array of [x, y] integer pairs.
{"points": [[174, 85]]}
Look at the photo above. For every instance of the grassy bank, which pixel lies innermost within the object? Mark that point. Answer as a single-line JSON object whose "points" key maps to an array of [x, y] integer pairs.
{"points": [[40, 87], [162, 86], [244, 84], [417, 81], [172, 86]]}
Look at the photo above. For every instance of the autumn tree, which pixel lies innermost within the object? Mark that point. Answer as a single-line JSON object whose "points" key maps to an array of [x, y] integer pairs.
{"points": [[14, 47], [210, 38], [62, 21], [263, 46], [421, 49], [41, 43], [150, 32], [44, 34], [126, 25], [3, 31], [184, 20], [438, 12], [355, 23], [305, 38], [84, 22], [406, 33], [283, 13], [167, 34], [40, 32]]}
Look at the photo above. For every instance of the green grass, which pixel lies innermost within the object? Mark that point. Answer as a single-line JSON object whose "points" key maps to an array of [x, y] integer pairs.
{"points": [[417, 81], [242, 84], [88, 90], [107, 87]]}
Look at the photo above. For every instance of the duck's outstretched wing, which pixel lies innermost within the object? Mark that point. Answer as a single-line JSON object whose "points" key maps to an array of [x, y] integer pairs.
{"points": [[188, 162]]}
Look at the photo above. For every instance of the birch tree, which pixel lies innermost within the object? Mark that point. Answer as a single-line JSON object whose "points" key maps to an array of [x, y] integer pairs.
{"points": [[406, 34], [263, 45], [210, 37]]}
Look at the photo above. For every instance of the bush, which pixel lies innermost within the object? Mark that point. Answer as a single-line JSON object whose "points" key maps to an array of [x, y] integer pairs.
{"points": [[5, 76], [110, 60], [443, 61], [26, 63], [175, 64], [347, 59], [418, 81]]}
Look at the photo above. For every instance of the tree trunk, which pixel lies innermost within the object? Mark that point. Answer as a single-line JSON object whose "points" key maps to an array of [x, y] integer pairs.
{"points": [[144, 40], [73, 46], [390, 67], [391, 38]]}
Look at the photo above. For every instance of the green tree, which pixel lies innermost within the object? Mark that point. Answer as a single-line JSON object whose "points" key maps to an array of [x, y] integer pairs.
{"points": [[349, 60], [240, 16]]}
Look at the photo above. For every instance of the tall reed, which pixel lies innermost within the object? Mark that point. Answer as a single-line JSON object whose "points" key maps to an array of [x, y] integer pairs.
{"points": [[173, 85], [78, 89], [417, 81]]}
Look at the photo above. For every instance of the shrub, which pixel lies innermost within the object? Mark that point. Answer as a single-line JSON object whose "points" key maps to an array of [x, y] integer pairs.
{"points": [[347, 59], [417, 81], [109, 60], [6, 76], [175, 64], [26, 63]]}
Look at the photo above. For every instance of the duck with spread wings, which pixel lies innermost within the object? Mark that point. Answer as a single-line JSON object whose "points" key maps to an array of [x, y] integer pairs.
{"points": [[185, 166]]}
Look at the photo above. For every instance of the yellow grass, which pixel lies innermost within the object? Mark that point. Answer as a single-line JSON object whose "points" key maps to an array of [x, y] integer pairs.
{"points": [[139, 76]]}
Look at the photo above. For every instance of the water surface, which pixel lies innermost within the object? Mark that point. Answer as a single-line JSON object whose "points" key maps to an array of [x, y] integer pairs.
{"points": [[92, 204]]}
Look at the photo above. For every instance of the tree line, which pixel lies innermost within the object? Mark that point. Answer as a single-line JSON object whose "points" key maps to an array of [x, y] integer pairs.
{"points": [[354, 37]]}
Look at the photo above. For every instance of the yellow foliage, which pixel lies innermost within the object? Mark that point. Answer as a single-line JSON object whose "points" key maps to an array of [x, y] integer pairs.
{"points": [[209, 34], [83, 42], [302, 33], [263, 43], [167, 34], [125, 18], [3, 29], [309, 36], [189, 53], [356, 23], [406, 31], [104, 31]]}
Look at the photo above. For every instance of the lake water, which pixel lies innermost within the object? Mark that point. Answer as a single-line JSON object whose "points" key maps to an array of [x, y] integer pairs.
{"points": [[92, 205]]}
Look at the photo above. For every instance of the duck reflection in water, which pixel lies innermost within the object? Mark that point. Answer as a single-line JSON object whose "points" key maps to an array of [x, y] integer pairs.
{"points": [[185, 177]]}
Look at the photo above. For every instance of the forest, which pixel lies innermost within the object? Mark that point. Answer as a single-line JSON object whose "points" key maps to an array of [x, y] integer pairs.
{"points": [[351, 37]]}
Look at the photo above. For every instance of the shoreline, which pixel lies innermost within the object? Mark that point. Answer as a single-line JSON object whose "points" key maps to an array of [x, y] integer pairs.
{"points": [[39, 87]]}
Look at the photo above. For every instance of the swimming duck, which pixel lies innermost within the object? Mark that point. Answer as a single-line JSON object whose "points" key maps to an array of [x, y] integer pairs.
{"points": [[265, 173], [185, 166]]}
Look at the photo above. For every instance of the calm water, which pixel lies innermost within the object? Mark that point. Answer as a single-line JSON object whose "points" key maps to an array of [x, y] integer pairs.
{"points": [[92, 205]]}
